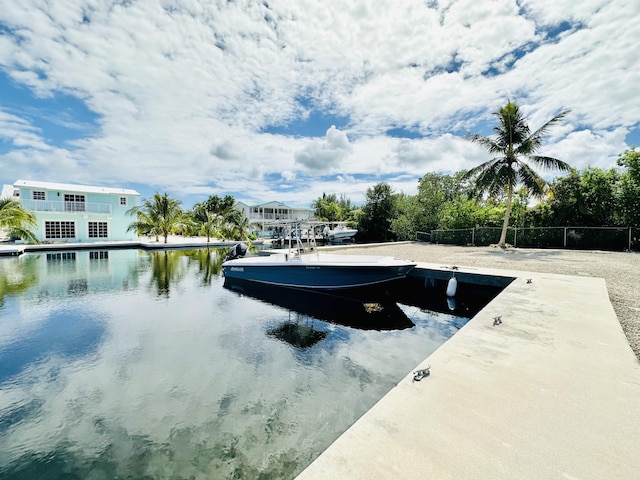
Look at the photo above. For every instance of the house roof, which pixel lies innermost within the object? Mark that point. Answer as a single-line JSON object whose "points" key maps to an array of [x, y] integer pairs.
{"points": [[68, 187]]}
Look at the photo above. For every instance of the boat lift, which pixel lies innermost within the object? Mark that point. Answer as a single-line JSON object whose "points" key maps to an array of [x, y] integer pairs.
{"points": [[296, 232]]}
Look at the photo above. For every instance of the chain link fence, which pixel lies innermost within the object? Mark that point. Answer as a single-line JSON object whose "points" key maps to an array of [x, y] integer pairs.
{"points": [[578, 238]]}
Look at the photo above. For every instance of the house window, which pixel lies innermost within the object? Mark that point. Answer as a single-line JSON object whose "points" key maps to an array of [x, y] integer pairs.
{"points": [[39, 195], [123, 201], [59, 229], [99, 255], [98, 230], [73, 203], [61, 263], [61, 257]]}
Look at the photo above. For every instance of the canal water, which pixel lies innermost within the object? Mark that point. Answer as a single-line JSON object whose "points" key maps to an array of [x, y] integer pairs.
{"points": [[144, 365]]}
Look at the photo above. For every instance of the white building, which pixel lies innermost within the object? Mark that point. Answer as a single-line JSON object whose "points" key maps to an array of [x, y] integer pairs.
{"points": [[260, 216], [76, 213]]}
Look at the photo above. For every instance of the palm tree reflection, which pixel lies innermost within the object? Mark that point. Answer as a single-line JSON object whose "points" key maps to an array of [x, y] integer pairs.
{"points": [[167, 268], [17, 275], [208, 261]]}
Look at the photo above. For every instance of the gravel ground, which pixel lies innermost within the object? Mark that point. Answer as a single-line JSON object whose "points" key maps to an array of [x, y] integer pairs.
{"points": [[621, 270]]}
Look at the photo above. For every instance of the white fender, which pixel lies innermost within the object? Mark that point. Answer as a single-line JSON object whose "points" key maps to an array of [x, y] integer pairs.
{"points": [[452, 286]]}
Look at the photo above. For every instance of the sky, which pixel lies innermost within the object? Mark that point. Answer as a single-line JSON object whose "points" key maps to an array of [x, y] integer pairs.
{"points": [[284, 100]]}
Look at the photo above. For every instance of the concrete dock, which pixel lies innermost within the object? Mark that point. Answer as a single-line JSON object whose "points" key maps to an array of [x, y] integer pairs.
{"points": [[12, 249], [552, 392]]}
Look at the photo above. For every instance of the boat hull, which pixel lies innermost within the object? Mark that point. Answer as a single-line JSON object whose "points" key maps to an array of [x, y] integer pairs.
{"points": [[342, 235], [334, 274]]}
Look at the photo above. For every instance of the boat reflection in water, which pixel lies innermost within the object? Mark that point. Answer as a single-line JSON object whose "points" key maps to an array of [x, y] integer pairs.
{"points": [[352, 311]]}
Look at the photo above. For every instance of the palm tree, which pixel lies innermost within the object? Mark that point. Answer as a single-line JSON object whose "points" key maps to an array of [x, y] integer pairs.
{"points": [[16, 221], [513, 144], [327, 208], [158, 216], [210, 226], [239, 226]]}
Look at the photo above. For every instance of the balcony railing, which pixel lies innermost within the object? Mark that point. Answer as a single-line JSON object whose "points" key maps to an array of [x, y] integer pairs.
{"points": [[270, 216], [66, 207]]}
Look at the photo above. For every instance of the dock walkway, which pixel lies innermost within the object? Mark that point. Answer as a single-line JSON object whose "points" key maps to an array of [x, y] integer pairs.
{"points": [[552, 392], [12, 249]]}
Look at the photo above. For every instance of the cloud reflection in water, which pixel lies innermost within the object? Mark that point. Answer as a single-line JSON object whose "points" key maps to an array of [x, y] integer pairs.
{"points": [[121, 382]]}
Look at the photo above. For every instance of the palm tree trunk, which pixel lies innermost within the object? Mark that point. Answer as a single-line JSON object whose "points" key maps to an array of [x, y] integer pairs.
{"points": [[507, 214]]}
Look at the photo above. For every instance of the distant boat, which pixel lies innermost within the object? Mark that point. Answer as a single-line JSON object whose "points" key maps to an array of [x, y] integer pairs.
{"points": [[314, 270], [339, 233]]}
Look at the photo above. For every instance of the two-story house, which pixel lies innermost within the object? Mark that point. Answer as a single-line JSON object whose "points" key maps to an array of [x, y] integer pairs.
{"points": [[77, 213], [260, 216]]}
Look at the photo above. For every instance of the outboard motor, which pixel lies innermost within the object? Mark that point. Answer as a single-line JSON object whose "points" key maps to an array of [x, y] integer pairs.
{"points": [[238, 250]]}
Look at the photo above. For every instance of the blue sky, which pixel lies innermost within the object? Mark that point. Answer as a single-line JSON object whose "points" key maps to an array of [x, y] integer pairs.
{"points": [[287, 100]]}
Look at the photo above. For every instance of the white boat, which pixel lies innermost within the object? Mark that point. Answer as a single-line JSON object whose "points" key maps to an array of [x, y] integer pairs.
{"points": [[314, 270], [339, 233]]}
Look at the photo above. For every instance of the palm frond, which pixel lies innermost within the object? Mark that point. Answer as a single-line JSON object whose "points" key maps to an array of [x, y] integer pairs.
{"points": [[542, 131], [488, 179], [531, 181], [549, 163], [512, 128], [489, 144], [16, 220], [474, 172]]}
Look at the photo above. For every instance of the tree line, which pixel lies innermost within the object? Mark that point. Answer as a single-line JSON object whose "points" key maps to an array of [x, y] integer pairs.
{"points": [[216, 217], [591, 197]]}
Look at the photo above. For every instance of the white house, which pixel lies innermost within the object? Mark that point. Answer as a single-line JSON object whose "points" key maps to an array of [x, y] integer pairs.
{"points": [[260, 216], [77, 213]]}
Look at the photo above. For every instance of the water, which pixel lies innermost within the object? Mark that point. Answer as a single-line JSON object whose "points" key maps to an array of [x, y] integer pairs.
{"points": [[141, 365]]}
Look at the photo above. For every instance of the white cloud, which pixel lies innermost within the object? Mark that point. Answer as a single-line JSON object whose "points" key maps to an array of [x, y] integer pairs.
{"points": [[20, 132], [325, 154], [224, 150], [346, 178], [585, 147], [288, 175], [185, 92]]}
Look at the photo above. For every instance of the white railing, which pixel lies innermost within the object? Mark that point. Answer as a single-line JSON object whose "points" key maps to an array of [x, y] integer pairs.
{"points": [[270, 216], [62, 206]]}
